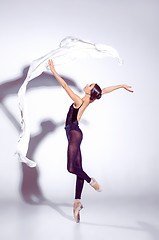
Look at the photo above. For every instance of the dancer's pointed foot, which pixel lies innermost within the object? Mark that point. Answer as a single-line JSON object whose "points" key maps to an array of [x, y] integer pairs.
{"points": [[95, 185], [76, 211]]}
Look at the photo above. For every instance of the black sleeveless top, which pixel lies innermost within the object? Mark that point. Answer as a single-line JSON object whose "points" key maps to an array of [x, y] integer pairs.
{"points": [[72, 115]]}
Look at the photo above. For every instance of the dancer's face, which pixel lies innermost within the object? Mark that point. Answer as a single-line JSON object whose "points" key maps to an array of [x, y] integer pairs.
{"points": [[88, 88]]}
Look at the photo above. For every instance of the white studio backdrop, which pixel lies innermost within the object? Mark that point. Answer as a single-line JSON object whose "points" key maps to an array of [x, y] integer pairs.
{"points": [[120, 130]]}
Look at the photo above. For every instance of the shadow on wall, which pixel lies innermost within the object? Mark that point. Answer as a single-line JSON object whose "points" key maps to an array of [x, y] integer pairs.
{"points": [[29, 186]]}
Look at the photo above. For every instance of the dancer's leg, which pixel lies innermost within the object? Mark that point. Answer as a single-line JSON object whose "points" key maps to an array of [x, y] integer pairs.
{"points": [[73, 148], [79, 180]]}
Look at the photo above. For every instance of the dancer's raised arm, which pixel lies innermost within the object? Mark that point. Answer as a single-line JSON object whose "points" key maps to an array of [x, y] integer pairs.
{"points": [[110, 89], [77, 100]]}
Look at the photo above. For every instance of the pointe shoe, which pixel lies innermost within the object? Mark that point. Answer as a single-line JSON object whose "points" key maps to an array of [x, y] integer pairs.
{"points": [[95, 185], [76, 211]]}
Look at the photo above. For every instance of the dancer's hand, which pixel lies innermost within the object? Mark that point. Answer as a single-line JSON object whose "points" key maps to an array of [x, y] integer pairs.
{"points": [[50, 62], [128, 88]]}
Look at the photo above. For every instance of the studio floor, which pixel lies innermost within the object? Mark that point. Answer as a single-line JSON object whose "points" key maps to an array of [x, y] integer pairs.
{"points": [[108, 219]]}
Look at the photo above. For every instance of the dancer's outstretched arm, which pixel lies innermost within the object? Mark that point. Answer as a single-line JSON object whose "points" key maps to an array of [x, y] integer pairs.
{"points": [[77, 100], [110, 89]]}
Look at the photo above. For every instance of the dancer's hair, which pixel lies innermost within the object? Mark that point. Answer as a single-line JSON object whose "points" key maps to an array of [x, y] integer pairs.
{"points": [[96, 92]]}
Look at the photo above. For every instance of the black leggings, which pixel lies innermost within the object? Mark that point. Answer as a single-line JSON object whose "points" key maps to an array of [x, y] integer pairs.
{"points": [[74, 158]]}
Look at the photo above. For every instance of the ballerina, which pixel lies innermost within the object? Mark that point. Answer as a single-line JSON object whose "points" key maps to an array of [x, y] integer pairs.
{"points": [[75, 135]]}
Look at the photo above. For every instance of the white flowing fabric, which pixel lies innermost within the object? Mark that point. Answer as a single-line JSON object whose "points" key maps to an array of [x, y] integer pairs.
{"points": [[69, 49]]}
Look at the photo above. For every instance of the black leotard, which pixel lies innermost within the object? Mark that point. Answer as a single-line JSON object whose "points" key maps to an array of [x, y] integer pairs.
{"points": [[72, 115]]}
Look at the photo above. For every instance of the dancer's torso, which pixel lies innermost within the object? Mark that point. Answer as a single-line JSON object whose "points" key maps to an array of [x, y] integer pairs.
{"points": [[73, 115]]}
